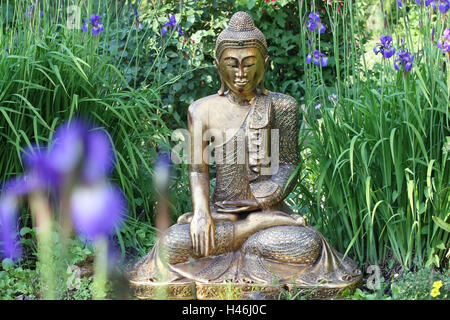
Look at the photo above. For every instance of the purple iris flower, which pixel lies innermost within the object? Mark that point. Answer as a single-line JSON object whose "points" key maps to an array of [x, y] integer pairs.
{"points": [[9, 240], [313, 20], [96, 209], [173, 24], [84, 27], [315, 23], [162, 171], [332, 97], [13, 190], [444, 41], [32, 7], [97, 26], [385, 46], [443, 5], [318, 58], [404, 59], [79, 159]]}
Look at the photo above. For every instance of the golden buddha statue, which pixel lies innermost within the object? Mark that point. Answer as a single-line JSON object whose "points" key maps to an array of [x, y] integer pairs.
{"points": [[244, 236]]}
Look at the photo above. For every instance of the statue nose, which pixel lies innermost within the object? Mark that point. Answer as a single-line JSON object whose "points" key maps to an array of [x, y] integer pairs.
{"points": [[240, 73]]}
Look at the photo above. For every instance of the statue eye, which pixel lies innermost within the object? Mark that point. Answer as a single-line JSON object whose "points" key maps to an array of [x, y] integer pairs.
{"points": [[249, 65]]}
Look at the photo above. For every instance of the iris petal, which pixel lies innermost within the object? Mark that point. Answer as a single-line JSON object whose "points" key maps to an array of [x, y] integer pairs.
{"points": [[9, 240], [97, 209], [308, 59], [98, 157], [67, 149]]}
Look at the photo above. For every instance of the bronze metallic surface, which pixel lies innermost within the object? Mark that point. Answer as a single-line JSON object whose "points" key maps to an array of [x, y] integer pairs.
{"points": [[243, 237]]}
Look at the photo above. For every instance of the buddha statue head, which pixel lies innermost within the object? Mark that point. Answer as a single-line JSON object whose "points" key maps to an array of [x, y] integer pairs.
{"points": [[241, 56]]}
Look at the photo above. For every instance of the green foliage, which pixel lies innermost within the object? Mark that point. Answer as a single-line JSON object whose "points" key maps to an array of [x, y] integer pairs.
{"points": [[378, 153], [16, 281], [418, 285], [409, 285], [74, 278]]}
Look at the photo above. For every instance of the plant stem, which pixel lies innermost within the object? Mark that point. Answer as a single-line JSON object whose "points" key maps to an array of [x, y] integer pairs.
{"points": [[100, 269], [41, 212]]}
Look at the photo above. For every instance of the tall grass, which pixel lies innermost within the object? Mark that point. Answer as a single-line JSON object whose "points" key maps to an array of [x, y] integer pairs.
{"points": [[50, 73], [380, 152]]}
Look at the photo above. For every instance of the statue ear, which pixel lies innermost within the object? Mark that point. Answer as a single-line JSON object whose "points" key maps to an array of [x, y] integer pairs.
{"points": [[221, 91]]}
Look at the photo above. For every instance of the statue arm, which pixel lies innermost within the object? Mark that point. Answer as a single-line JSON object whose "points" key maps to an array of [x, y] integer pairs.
{"points": [[275, 189], [202, 225]]}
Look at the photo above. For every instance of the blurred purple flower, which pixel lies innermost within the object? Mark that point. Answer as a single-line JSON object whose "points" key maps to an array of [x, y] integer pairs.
{"points": [[163, 31], [162, 171], [318, 58], [444, 41], [79, 157], [9, 233], [385, 46], [12, 191], [399, 3], [75, 149], [97, 209], [333, 97], [404, 59], [317, 106], [98, 156], [443, 5]]}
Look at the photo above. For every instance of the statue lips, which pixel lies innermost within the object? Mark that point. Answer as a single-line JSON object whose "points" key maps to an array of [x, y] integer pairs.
{"points": [[240, 85]]}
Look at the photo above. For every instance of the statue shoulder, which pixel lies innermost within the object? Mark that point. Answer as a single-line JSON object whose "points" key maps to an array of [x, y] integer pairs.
{"points": [[283, 102], [199, 108]]}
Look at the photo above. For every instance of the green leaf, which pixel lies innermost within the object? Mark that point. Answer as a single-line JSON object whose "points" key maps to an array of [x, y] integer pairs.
{"points": [[7, 264], [25, 230], [441, 246], [441, 223]]}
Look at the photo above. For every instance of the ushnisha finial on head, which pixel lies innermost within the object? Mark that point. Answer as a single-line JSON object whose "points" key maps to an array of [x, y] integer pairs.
{"points": [[241, 33]]}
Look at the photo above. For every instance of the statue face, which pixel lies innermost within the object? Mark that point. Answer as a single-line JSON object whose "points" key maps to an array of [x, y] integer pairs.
{"points": [[242, 69]]}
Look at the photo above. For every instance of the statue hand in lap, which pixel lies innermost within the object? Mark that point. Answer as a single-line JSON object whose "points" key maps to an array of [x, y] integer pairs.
{"points": [[237, 206]]}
